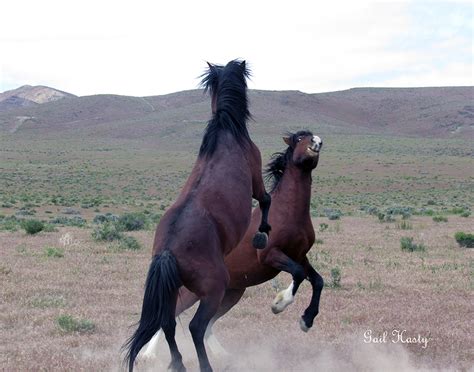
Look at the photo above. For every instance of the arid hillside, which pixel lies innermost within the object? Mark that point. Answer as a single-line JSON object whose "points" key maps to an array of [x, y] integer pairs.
{"points": [[425, 112]]}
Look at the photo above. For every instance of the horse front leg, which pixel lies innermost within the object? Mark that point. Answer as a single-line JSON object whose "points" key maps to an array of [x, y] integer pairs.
{"points": [[260, 239], [317, 282], [264, 199], [277, 259]]}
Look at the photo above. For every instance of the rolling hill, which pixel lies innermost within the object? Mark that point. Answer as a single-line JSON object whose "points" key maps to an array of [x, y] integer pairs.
{"points": [[29, 96], [425, 112]]}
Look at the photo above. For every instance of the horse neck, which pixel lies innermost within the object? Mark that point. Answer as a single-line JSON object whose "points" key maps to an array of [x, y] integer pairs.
{"points": [[294, 190]]}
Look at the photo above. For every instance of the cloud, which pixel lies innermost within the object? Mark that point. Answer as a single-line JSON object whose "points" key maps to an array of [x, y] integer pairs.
{"points": [[154, 47]]}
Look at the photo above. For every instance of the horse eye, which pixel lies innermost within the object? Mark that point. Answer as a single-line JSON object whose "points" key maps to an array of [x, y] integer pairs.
{"points": [[299, 139]]}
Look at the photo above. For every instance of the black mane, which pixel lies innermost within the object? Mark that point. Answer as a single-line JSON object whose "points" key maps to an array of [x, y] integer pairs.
{"points": [[280, 160], [228, 84]]}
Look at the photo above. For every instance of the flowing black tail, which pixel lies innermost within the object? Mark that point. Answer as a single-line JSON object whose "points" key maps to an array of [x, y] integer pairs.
{"points": [[161, 289]]}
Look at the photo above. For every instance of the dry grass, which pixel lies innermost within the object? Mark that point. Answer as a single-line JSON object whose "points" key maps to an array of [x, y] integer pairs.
{"points": [[382, 288]]}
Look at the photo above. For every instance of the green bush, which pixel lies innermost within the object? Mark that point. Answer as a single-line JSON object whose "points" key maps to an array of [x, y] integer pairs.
{"points": [[464, 239], [405, 225], [465, 214], [132, 221], [336, 277], [32, 226], [440, 219], [129, 243], [385, 217], [54, 252], [10, 223], [108, 217], [333, 214], [68, 324], [407, 244], [107, 232], [323, 226], [77, 221]]}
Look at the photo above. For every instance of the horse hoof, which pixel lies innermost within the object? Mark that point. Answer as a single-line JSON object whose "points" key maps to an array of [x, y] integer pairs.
{"points": [[176, 367], [260, 240], [303, 325]]}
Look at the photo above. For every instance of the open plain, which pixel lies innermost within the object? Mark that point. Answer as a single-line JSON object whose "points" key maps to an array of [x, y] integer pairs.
{"points": [[84, 165]]}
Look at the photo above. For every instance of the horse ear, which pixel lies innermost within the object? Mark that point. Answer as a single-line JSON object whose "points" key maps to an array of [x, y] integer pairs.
{"points": [[243, 64], [287, 140]]}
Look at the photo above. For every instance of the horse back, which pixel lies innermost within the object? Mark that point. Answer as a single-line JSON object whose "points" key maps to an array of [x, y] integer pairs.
{"points": [[217, 199]]}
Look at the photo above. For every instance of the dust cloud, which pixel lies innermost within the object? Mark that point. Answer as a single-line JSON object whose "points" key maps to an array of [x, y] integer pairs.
{"points": [[284, 355]]}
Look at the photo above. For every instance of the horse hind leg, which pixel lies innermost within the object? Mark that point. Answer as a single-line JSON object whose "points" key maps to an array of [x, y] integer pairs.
{"points": [[186, 299], [277, 259], [211, 292], [283, 299], [176, 364], [317, 283], [231, 297]]}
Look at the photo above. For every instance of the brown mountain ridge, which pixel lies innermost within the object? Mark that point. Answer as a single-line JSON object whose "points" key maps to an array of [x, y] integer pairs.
{"points": [[432, 112]]}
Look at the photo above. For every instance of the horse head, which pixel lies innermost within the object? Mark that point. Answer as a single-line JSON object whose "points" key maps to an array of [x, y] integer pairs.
{"points": [[305, 148]]}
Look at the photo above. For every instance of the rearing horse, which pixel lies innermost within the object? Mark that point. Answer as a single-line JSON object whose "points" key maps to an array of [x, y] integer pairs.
{"points": [[292, 238], [207, 221]]}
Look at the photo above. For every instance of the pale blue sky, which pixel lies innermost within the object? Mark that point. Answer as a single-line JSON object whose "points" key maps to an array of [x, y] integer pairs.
{"points": [[148, 47]]}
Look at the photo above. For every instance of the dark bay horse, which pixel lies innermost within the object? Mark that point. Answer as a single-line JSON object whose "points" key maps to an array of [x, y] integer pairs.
{"points": [[291, 239], [207, 221]]}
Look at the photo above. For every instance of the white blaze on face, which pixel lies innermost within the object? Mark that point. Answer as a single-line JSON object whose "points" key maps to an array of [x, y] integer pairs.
{"points": [[283, 299], [317, 141]]}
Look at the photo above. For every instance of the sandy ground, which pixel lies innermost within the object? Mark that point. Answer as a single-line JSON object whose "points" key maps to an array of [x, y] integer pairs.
{"points": [[384, 289]]}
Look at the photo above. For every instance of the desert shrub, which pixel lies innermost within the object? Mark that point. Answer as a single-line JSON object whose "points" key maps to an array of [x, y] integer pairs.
{"points": [[49, 228], [336, 277], [70, 210], [54, 252], [107, 232], [464, 239], [323, 226], [426, 212], [385, 217], [76, 221], [459, 210], [32, 226], [155, 217], [465, 214], [129, 243], [370, 210], [69, 324], [25, 212], [10, 223], [108, 217], [403, 211], [44, 302], [404, 225], [333, 214], [440, 219], [406, 243], [132, 221]]}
